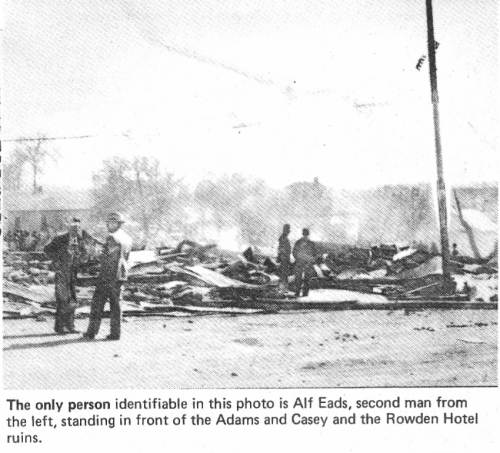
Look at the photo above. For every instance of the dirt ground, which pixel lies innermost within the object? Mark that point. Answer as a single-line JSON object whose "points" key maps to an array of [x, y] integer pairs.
{"points": [[293, 349]]}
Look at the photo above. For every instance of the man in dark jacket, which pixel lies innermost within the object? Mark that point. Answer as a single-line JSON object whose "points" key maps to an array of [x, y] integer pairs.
{"points": [[284, 252], [9, 238], [67, 251], [112, 275], [304, 252]]}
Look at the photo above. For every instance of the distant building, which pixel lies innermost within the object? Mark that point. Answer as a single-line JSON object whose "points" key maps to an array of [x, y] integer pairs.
{"points": [[51, 207]]}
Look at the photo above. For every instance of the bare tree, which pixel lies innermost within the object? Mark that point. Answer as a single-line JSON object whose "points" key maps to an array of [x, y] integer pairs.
{"points": [[141, 190], [152, 194], [35, 155], [13, 171]]}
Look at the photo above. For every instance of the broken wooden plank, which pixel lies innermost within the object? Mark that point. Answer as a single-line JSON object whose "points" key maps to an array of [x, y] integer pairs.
{"points": [[36, 295]]}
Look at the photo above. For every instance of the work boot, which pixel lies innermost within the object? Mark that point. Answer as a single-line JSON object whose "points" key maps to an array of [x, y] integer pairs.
{"points": [[72, 331], [87, 337], [112, 338]]}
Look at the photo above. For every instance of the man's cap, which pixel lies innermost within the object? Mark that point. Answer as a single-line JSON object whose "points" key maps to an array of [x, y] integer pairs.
{"points": [[75, 220], [115, 217]]}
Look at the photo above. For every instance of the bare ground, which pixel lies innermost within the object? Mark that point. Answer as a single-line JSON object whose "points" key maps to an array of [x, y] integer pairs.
{"points": [[294, 349]]}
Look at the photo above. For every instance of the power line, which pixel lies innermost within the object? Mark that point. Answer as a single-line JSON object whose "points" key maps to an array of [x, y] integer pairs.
{"points": [[34, 139]]}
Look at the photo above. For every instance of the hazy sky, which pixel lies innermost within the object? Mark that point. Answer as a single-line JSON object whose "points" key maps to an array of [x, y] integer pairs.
{"points": [[283, 89]]}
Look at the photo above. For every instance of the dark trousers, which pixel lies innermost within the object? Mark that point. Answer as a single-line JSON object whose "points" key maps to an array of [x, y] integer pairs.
{"points": [[106, 291], [304, 270], [284, 273], [65, 302]]}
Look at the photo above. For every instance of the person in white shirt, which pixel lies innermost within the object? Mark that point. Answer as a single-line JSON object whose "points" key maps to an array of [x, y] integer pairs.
{"points": [[112, 275]]}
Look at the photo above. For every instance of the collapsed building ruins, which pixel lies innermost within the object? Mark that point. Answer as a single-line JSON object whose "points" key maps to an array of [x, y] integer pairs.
{"points": [[195, 279]]}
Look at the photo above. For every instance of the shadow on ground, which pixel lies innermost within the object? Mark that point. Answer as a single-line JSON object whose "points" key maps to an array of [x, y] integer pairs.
{"points": [[32, 335], [48, 344]]}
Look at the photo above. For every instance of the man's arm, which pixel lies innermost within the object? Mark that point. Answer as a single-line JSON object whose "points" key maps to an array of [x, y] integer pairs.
{"points": [[87, 237], [314, 249], [52, 248]]}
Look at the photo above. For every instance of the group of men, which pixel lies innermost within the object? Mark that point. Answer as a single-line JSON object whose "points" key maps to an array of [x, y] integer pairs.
{"points": [[304, 254], [67, 252]]}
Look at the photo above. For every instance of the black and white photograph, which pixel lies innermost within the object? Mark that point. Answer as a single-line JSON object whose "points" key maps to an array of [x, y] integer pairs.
{"points": [[215, 194]]}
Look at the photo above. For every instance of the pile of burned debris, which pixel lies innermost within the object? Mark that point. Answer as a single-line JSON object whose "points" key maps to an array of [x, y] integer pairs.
{"points": [[192, 278], [405, 273]]}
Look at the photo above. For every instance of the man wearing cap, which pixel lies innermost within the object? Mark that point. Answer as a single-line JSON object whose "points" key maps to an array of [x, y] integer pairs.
{"points": [[112, 274], [67, 252], [284, 252], [304, 252]]}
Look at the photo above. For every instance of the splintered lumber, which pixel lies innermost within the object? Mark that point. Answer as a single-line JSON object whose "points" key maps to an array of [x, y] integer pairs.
{"points": [[41, 296], [144, 268], [185, 311], [213, 278], [214, 310], [276, 305], [172, 256], [416, 290], [153, 279], [172, 314], [12, 309], [433, 266], [197, 275], [209, 277], [199, 310], [390, 286]]}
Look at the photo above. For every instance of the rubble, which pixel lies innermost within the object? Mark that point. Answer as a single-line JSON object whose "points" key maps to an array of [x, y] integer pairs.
{"points": [[23, 309], [482, 288], [404, 273], [431, 266], [17, 291], [196, 277]]}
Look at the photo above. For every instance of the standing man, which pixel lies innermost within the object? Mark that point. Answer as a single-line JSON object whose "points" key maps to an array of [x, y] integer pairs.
{"points": [[113, 272], [304, 252], [284, 252], [67, 252], [9, 238], [33, 241]]}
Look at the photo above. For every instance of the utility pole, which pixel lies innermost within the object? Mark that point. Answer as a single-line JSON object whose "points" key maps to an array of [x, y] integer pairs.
{"points": [[441, 190]]}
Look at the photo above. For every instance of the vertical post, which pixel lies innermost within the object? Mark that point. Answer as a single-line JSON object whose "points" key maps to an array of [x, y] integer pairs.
{"points": [[441, 189]]}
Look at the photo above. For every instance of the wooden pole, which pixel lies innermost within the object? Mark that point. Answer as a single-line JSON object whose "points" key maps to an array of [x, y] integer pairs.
{"points": [[441, 189]]}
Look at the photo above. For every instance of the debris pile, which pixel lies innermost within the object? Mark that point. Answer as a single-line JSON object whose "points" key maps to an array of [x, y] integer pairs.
{"points": [[405, 273], [201, 279], [27, 267]]}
